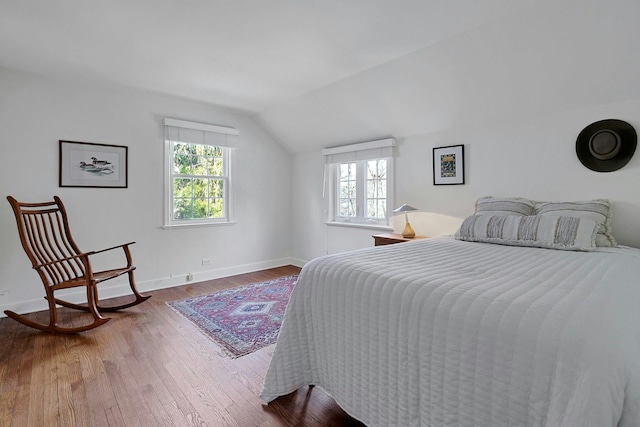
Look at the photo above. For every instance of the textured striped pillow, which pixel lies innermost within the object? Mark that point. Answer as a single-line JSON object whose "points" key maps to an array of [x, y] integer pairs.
{"points": [[596, 210], [504, 206], [553, 232]]}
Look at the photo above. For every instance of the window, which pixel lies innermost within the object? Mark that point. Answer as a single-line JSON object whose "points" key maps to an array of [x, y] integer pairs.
{"points": [[360, 182], [198, 185], [199, 181], [368, 193]]}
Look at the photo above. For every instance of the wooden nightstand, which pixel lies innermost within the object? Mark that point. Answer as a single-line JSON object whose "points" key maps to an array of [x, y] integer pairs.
{"points": [[391, 238]]}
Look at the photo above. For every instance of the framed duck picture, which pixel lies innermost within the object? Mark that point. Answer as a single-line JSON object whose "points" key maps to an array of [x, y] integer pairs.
{"points": [[85, 164], [448, 165]]}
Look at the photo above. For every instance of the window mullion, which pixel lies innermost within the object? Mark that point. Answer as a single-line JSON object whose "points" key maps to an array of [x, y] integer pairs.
{"points": [[200, 176], [361, 186]]}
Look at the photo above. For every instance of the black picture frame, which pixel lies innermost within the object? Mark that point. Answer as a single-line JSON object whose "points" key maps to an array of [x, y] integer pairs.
{"points": [[448, 165], [87, 164]]}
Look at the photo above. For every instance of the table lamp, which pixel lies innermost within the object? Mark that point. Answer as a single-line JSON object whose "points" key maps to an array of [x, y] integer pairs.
{"points": [[408, 232]]}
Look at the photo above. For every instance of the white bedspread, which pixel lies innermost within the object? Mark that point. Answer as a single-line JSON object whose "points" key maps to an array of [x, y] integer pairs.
{"points": [[442, 332]]}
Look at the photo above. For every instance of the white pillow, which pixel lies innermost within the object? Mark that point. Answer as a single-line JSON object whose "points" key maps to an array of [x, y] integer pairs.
{"points": [[553, 232], [504, 206], [598, 210]]}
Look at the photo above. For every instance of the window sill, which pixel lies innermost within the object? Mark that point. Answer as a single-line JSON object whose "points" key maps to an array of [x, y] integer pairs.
{"points": [[197, 224], [359, 225]]}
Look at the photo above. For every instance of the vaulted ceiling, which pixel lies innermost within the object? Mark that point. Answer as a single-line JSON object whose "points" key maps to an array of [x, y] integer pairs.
{"points": [[323, 72]]}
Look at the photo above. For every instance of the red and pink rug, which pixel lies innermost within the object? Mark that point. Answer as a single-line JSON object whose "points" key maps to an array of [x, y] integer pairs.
{"points": [[240, 320]]}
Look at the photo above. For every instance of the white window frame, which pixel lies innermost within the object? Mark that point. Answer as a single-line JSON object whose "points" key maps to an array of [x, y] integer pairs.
{"points": [[360, 154], [170, 175]]}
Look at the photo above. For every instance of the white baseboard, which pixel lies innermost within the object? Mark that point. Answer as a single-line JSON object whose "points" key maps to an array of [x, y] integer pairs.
{"points": [[78, 295], [298, 262]]}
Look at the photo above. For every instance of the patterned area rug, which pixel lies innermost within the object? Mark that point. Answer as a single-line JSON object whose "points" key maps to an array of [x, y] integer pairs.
{"points": [[240, 320]]}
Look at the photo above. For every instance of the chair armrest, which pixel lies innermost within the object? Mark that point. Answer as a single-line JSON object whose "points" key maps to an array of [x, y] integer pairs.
{"points": [[125, 248], [83, 256], [111, 248]]}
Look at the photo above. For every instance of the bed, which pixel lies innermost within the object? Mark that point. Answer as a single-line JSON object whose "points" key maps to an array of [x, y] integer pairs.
{"points": [[447, 332]]}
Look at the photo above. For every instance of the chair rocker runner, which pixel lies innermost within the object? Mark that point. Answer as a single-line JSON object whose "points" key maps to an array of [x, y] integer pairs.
{"points": [[46, 239]]}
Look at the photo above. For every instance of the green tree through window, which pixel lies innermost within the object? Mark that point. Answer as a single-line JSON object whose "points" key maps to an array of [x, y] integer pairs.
{"points": [[199, 181]]}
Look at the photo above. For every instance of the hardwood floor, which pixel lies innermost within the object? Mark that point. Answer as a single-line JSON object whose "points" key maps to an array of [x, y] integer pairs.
{"points": [[148, 366]]}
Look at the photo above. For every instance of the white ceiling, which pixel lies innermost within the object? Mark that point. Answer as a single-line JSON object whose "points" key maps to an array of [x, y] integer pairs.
{"points": [[317, 73], [244, 54]]}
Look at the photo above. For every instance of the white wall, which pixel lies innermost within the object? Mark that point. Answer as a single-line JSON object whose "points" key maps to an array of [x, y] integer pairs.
{"points": [[516, 92], [534, 159], [36, 112], [553, 56]]}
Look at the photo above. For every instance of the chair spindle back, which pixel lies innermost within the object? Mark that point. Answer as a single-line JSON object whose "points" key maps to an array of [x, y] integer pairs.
{"points": [[46, 239]]}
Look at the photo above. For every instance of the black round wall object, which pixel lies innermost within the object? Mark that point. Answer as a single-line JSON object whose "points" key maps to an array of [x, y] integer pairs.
{"points": [[606, 145]]}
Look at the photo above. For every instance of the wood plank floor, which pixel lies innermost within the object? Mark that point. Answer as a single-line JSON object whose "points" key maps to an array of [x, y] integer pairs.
{"points": [[148, 366]]}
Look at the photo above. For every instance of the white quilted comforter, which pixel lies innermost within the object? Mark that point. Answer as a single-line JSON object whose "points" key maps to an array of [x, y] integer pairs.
{"points": [[441, 332]]}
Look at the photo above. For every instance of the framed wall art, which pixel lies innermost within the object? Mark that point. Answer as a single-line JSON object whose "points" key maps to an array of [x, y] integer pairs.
{"points": [[84, 164], [448, 165]]}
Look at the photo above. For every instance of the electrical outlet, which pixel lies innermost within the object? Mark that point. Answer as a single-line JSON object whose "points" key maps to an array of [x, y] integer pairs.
{"points": [[206, 262], [189, 277]]}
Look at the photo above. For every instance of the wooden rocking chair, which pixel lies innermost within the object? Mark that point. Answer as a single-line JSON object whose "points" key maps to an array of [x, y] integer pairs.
{"points": [[46, 238]]}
